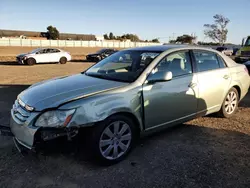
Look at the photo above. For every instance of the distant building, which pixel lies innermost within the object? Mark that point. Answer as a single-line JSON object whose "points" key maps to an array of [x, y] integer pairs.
{"points": [[99, 38], [43, 35]]}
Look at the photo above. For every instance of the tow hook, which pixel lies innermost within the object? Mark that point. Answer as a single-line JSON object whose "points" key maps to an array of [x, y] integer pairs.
{"points": [[71, 133]]}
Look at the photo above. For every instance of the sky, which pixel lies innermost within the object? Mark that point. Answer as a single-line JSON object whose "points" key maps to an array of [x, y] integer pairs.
{"points": [[147, 18]]}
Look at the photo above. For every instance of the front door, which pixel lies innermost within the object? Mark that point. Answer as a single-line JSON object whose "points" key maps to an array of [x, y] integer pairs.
{"points": [[42, 56], [171, 101]]}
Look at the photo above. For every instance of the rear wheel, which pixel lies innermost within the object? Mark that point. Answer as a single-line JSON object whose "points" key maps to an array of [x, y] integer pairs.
{"points": [[230, 104], [63, 60], [31, 61], [113, 139]]}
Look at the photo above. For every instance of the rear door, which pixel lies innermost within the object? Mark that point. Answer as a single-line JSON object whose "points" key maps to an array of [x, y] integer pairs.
{"points": [[213, 80], [54, 55]]}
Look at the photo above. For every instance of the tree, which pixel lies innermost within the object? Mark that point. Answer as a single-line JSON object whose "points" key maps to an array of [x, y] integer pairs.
{"points": [[217, 31], [172, 41], [106, 37], [111, 36], [131, 37], [185, 39], [52, 33], [156, 40]]}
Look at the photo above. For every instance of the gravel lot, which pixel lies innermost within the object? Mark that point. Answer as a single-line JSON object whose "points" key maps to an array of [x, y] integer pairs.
{"points": [[206, 152]]}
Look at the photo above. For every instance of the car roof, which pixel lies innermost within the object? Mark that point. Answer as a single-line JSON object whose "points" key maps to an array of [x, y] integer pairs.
{"points": [[158, 48]]}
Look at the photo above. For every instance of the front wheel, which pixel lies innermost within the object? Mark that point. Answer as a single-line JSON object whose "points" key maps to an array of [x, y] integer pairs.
{"points": [[230, 104], [113, 139], [31, 61]]}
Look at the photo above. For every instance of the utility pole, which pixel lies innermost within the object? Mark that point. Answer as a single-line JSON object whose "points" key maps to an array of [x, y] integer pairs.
{"points": [[174, 36]]}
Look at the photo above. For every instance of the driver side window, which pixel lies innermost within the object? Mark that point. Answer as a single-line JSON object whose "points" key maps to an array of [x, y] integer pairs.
{"points": [[178, 63]]}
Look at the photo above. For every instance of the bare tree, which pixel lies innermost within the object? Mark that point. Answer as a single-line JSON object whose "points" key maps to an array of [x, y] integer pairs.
{"points": [[217, 31]]}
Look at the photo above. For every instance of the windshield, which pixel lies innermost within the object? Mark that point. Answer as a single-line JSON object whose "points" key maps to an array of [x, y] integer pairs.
{"points": [[124, 66], [101, 51], [247, 42], [36, 50]]}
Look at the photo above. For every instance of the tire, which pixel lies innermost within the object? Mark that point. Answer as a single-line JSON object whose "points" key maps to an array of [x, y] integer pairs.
{"points": [[116, 133], [232, 98], [31, 61], [63, 60]]}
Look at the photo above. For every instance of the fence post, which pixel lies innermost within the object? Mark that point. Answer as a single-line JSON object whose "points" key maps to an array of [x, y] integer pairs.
{"points": [[9, 42]]}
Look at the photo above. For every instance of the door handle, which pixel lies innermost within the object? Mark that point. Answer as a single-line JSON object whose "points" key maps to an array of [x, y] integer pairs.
{"points": [[225, 76], [192, 85]]}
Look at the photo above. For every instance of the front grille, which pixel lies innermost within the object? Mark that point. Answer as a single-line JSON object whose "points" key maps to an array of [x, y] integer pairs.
{"points": [[245, 53], [19, 112]]}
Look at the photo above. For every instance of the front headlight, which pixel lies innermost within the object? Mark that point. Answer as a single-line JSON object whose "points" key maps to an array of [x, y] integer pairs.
{"points": [[56, 118]]}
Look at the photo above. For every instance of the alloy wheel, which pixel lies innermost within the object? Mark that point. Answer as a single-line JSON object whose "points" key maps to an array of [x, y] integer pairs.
{"points": [[231, 102], [115, 140]]}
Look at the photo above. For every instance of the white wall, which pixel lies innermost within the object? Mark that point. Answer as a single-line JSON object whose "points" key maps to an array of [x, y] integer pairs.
{"points": [[72, 43]]}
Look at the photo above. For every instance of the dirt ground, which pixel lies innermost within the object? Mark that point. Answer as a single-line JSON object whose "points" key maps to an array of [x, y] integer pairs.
{"points": [[205, 152]]}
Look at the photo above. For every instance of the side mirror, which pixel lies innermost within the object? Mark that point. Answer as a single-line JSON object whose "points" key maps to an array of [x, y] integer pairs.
{"points": [[159, 76], [243, 42]]}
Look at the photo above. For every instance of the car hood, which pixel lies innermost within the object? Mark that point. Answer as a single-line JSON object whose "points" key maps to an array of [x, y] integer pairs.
{"points": [[21, 55], [54, 92], [243, 49]]}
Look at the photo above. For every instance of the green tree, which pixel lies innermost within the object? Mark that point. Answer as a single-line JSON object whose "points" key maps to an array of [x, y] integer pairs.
{"points": [[132, 37], [172, 41], [185, 39], [106, 37], [52, 33], [156, 40], [111, 36], [217, 31]]}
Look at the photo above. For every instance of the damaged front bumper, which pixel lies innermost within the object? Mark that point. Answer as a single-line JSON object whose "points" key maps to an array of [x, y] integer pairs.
{"points": [[30, 137]]}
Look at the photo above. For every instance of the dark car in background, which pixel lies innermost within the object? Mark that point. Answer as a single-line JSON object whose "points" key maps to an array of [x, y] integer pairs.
{"points": [[101, 54], [247, 64]]}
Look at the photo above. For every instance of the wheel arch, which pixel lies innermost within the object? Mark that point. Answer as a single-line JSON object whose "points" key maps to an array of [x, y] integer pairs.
{"points": [[131, 116], [238, 90]]}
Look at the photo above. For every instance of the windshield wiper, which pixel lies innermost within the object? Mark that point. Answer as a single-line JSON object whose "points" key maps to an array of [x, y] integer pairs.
{"points": [[106, 77], [97, 75]]}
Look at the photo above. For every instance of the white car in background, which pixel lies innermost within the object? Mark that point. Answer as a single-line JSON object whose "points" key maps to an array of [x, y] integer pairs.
{"points": [[225, 50], [44, 55]]}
